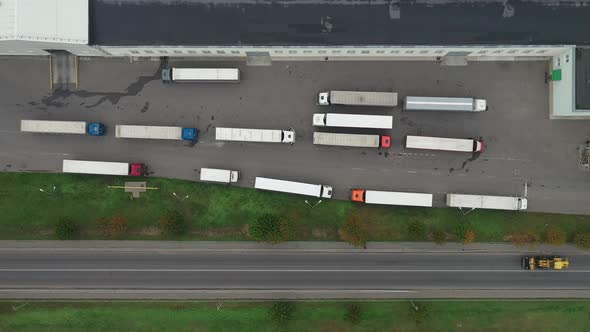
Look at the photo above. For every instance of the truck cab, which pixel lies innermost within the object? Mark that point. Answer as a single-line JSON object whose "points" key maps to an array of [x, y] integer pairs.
{"points": [[167, 75], [385, 141], [96, 129], [137, 169], [358, 195], [326, 191], [324, 98], [190, 134]]}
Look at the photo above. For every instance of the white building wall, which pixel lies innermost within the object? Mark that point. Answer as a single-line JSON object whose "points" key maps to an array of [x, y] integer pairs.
{"points": [[22, 47]]}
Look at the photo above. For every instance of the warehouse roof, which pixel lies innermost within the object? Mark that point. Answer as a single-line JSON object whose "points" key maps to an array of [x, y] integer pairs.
{"points": [[338, 22]]}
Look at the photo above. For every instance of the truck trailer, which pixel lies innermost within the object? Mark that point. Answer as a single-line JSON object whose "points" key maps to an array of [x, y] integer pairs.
{"points": [[358, 98], [291, 187], [156, 132], [391, 198], [170, 75], [367, 141], [62, 127], [445, 104], [487, 202], [219, 175], [103, 168], [444, 144], [353, 120], [255, 135]]}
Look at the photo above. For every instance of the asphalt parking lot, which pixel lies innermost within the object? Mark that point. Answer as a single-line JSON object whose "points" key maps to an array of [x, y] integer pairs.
{"points": [[523, 145]]}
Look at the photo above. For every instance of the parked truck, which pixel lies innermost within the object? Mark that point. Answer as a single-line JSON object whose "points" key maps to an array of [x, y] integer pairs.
{"points": [[391, 198], [219, 175], [445, 104], [156, 132], [104, 168], [444, 144], [545, 262], [292, 187], [173, 74], [62, 127], [255, 135], [356, 140], [487, 202], [353, 120], [358, 98]]}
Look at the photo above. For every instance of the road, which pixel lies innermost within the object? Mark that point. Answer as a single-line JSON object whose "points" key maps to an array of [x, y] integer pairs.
{"points": [[524, 146], [151, 267]]}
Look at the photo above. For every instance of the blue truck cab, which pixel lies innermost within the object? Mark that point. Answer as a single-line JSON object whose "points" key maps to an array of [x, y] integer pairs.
{"points": [[190, 134], [96, 129]]}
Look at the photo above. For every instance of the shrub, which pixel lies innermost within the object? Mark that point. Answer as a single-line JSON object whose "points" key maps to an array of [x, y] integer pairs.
{"points": [[469, 237], [523, 237], [582, 240], [461, 230], [66, 229], [113, 227], [555, 236], [282, 312], [172, 223], [355, 231], [353, 313], [270, 228], [439, 236], [417, 230]]}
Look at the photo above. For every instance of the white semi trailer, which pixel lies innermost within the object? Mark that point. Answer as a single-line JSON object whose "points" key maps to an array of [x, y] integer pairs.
{"points": [[444, 104], [353, 120], [62, 127], [356, 140], [156, 132], [255, 135], [445, 144], [487, 202], [219, 175], [391, 198], [200, 75], [292, 187], [103, 168], [358, 98]]}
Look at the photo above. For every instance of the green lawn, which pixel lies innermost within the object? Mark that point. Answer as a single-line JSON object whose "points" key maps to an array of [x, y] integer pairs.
{"points": [[217, 212], [505, 316]]}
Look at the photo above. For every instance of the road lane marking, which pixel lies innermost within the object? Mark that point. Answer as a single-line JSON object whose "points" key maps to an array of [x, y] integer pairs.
{"points": [[295, 270]]}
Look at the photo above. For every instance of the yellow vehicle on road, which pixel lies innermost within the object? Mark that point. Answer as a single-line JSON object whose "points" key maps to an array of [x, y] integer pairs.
{"points": [[545, 262]]}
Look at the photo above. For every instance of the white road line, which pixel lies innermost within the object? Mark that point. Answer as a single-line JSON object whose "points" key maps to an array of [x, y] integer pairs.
{"points": [[359, 169], [293, 270]]}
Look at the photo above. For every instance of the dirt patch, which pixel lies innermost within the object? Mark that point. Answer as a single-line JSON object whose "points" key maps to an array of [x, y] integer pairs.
{"points": [[149, 231]]}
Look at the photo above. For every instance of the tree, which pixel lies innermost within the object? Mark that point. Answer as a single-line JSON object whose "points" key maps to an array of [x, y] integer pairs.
{"points": [[66, 229], [439, 236], [114, 226], [282, 312], [582, 240], [417, 230], [353, 313], [555, 236], [355, 231], [469, 236], [270, 228], [172, 223], [523, 237]]}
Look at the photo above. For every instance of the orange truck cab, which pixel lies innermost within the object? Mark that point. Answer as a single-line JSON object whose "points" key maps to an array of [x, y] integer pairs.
{"points": [[358, 195]]}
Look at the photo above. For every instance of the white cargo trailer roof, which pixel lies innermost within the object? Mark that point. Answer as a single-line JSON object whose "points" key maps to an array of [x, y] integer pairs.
{"points": [[95, 167], [345, 139], [359, 121], [152, 132], [398, 198], [439, 143], [483, 202], [363, 98], [439, 104], [248, 135], [205, 74], [288, 186], [214, 174], [55, 127]]}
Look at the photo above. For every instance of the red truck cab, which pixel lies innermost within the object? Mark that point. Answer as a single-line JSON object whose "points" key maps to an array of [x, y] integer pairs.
{"points": [[385, 141], [358, 195], [137, 170]]}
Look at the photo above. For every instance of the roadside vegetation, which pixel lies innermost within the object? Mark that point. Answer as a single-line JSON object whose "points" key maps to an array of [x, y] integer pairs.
{"points": [[67, 206], [404, 315]]}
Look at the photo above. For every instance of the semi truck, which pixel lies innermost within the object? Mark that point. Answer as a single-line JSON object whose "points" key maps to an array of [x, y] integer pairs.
{"points": [[444, 144], [255, 135], [104, 168], [444, 104], [391, 198], [545, 262], [292, 187], [358, 98], [487, 202], [356, 140], [173, 74], [156, 132], [219, 175], [62, 127], [353, 120]]}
